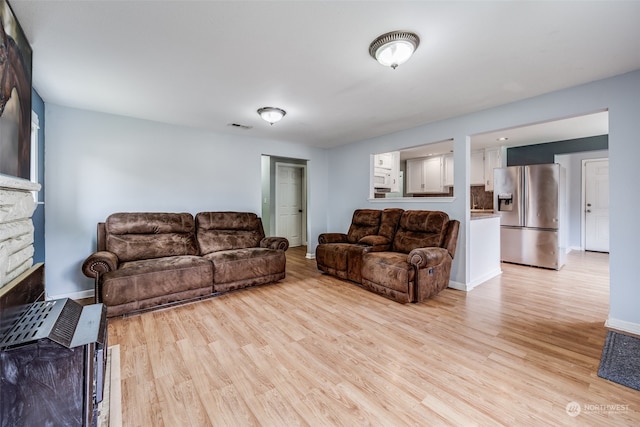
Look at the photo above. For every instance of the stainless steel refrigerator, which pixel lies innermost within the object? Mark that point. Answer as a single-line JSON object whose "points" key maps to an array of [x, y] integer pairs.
{"points": [[532, 205]]}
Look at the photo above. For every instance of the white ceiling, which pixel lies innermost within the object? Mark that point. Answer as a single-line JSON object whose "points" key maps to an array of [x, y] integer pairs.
{"points": [[207, 64]]}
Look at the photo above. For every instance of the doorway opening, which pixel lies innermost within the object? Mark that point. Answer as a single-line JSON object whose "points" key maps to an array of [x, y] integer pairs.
{"points": [[595, 202], [284, 198]]}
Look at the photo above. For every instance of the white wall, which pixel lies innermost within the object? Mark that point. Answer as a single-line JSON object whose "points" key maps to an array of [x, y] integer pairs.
{"points": [[97, 164], [349, 173]]}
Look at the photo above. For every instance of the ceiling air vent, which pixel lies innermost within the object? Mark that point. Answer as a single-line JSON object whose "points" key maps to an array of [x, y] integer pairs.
{"points": [[238, 125]]}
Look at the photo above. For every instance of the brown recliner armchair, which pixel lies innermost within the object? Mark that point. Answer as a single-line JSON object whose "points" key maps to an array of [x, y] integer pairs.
{"points": [[418, 266], [340, 254]]}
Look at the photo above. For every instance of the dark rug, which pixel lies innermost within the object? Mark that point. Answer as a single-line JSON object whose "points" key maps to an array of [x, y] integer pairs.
{"points": [[620, 361]]}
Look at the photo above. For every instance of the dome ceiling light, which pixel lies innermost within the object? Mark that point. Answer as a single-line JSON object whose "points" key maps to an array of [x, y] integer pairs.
{"points": [[271, 114], [394, 48]]}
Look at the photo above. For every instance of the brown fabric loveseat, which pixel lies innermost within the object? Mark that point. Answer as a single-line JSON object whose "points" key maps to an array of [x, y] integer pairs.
{"points": [[340, 254], [411, 264], [150, 259]]}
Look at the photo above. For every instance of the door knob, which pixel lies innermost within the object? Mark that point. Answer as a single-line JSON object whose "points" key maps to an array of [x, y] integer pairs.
{"points": [[588, 210], [588, 204]]}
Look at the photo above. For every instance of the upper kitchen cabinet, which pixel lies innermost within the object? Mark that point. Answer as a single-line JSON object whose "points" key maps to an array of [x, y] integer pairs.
{"points": [[493, 158], [447, 170], [477, 168], [386, 172], [424, 175]]}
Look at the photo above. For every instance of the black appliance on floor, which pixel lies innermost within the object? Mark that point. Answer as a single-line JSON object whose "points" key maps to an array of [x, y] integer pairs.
{"points": [[52, 364]]}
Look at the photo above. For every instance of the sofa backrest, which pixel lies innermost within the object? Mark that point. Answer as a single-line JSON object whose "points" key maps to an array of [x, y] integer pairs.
{"points": [[420, 229], [451, 238], [365, 222], [220, 231], [389, 222], [146, 235]]}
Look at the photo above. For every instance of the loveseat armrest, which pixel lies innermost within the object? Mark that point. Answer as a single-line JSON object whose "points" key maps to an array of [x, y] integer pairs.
{"points": [[99, 263], [332, 238], [427, 257], [275, 243], [375, 243]]}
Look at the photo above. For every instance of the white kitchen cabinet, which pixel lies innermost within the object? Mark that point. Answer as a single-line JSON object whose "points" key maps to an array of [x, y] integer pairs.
{"points": [[477, 168], [433, 174], [492, 160], [447, 170], [414, 176], [424, 175], [386, 175]]}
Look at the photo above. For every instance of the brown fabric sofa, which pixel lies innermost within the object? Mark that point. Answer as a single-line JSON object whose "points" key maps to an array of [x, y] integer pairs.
{"points": [[149, 259], [411, 263]]}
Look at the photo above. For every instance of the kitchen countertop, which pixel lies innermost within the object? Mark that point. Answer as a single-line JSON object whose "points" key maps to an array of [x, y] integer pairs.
{"points": [[483, 214]]}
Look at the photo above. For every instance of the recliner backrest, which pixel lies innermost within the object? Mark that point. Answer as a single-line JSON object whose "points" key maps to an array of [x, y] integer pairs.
{"points": [[420, 229], [219, 231], [146, 235], [365, 222]]}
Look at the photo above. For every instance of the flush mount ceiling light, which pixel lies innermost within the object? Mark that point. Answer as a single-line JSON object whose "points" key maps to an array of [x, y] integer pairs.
{"points": [[394, 48], [271, 114]]}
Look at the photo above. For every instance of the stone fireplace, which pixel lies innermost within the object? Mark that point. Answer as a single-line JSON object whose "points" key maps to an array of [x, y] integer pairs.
{"points": [[17, 205]]}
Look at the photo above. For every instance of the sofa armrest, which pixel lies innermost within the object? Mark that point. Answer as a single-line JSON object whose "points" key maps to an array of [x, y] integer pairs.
{"points": [[427, 257], [275, 243], [332, 238], [375, 243], [99, 263]]}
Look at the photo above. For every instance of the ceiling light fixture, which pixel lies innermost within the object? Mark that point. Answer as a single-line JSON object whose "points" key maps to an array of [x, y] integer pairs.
{"points": [[271, 114], [502, 138], [394, 48]]}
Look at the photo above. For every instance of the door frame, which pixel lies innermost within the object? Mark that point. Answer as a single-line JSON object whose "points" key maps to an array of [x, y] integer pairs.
{"points": [[303, 188], [583, 197]]}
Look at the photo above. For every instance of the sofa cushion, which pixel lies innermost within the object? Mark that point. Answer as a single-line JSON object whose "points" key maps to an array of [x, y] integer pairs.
{"points": [[419, 229], [365, 222], [388, 269], [221, 231], [136, 236], [332, 255], [144, 279], [247, 266]]}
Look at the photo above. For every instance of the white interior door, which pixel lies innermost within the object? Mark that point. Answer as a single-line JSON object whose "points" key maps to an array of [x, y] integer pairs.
{"points": [[289, 203], [596, 205]]}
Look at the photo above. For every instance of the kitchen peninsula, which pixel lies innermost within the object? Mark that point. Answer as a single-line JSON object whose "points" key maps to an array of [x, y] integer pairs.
{"points": [[484, 238]]}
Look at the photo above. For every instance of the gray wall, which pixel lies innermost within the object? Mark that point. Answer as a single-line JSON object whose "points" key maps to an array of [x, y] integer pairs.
{"points": [[97, 164], [349, 178]]}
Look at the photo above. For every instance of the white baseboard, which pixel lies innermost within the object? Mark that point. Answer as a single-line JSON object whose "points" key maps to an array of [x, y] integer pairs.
{"points": [[88, 293], [622, 326], [480, 280], [310, 256], [457, 285]]}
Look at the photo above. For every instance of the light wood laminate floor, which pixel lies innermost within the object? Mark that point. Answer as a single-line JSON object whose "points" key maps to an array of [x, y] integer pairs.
{"points": [[313, 350]]}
